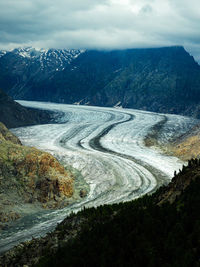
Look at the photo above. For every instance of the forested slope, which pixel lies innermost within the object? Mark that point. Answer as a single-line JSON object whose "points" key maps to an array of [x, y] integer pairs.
{"points": [[158, 230]]}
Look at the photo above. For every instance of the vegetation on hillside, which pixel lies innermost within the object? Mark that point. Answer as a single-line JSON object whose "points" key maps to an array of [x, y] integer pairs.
{"points": [[162, 229], [139, 233], [29, 176]]}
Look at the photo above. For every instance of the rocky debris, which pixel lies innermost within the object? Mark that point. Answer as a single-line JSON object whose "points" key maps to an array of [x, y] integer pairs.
{"points": [[28, 175], [188, 145], [83, 193], [7, 217], [43, 175], [189, 148]]}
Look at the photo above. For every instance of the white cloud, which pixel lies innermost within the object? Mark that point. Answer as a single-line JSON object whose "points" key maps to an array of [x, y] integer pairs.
{"points": [[100, 24]]}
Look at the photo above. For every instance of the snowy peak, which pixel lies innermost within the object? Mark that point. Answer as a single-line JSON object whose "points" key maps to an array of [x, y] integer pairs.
{"points": [[2, 53], [48, 59], [58, 58], [27, 52]]}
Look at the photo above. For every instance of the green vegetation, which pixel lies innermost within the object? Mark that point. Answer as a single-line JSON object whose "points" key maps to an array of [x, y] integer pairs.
{"points": [[138, 233], [162, 229]]}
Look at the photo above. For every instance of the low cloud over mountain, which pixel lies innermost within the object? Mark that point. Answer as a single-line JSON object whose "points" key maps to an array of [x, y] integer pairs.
{"points": [[104, 24]]}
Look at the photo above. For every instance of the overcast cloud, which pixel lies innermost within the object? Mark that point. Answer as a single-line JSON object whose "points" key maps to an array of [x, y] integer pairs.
{"points": [[101, 24]]}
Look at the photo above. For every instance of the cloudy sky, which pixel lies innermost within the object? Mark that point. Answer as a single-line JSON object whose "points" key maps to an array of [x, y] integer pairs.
{"points": [[102, 24]]}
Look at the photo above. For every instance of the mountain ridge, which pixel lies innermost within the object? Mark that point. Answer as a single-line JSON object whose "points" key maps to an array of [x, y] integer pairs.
{"points": [[165, 80]]}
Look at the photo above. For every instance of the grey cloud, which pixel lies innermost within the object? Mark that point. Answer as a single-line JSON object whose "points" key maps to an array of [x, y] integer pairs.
{"points": [[146, 9], [103, 24]]}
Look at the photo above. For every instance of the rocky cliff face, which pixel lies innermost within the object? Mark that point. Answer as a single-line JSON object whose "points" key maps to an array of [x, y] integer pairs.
{"points": [[29, 176], [188, 145], [14, 115], [161, 79]]}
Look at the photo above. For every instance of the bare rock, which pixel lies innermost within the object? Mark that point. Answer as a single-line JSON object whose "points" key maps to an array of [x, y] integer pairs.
{"points": [[30, 176]]}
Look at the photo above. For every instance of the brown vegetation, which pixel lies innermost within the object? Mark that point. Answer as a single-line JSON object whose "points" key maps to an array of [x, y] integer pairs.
{"points": [[28, 175]]}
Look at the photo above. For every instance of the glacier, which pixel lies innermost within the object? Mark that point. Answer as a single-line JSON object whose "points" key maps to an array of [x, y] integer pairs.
{"points": [[107, 145]]}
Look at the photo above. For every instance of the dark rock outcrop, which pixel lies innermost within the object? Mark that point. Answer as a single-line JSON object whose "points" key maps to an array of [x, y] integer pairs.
{"points": [[14, 115], [180, 182]]}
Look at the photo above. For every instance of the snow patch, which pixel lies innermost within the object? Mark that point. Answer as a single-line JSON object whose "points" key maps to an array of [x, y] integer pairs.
{"points": [[51, 59]]}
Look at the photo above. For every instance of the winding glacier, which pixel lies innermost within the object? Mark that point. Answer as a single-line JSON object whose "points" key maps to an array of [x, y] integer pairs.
{"points": [[107, 146]]}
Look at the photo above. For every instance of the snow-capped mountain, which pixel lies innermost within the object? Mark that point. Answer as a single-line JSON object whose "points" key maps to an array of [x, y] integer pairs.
{"points": [[159, 79], [48, 59], [23, 69], [2, 53]]}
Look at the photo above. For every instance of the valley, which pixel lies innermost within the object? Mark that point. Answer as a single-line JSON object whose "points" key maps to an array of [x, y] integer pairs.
{"points": [[106, 145], [99, 133]]}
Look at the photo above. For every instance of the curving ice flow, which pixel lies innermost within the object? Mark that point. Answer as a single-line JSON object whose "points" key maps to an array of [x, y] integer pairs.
{"points": [[107, 146]]}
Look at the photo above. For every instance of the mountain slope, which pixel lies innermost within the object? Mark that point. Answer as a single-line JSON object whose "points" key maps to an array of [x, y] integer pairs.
{"points": [[14, 115], [158, 230], [160, 79], [21, 68], [30, 180]]}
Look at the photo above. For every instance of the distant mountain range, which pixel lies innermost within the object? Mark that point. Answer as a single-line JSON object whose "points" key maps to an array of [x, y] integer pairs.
{"points": [[160, 79]]}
